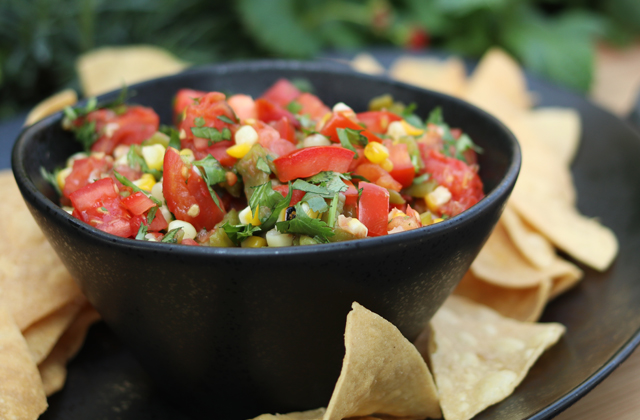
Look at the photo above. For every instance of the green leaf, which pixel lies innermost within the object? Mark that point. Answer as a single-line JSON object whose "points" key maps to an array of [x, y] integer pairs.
{"points": [[305, 225], [307, 187], [125, 181], [435, 116], [170, 237], [174, 136], [350, 138], [51, 178], [333, 181], [263, 166], [238, 233], [316, 202], [226, 119], [332, 214], [294, 107], [142, 230], [274, 201], [212, 173], [137, 161]]}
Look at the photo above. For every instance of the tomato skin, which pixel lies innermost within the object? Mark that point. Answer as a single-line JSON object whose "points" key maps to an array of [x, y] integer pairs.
{"points": [[309, 161], [403, 170], [135, 125], [296, 195], [375, 174], [87, 196], [157, 224], [312, 106], [184, 98], [268, 111], [211, 106], [373, 208], [182, 193], [459, 178], [190, 242], [339, 120], [137, 203], [286, 130], [84, 172], [269, 138], [282, 92], [243, 106], [351, 194], [377, 121]]}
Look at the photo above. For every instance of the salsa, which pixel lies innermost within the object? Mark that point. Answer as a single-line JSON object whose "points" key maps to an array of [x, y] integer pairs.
{"points": [[283, 169]]}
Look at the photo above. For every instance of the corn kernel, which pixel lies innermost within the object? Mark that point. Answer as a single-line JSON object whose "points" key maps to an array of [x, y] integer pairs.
{"points": [[343, 108], [153, 155], [437, 198], [62, 177], [246, 135], [411, 130], [194, 210], [187, 228], [254, 242], [309, 211], [146, 182], [376, 152], [187, 155], [239, 150], [277, 239], [438, 220], [396, 130], [387, 165], [426, 218], [247, 217]]}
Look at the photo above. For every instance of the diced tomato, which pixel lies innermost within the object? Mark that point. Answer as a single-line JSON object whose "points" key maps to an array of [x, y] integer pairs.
{"points": [[309, 161], [157, 224], [190, 242], [209, 108], [133, 126], [403, 170], [375, 174], [282, 92], [269, 138], [459, 178], [296, 195], [137, 203], [373, 208], [285, 128], [85, 171], [339, 120], [243, 106], [359, 159], [219, 151], [268, 111], [312, 105], [351, 194], [377, 121], [184, 98], [98, 204], [183, 188]]}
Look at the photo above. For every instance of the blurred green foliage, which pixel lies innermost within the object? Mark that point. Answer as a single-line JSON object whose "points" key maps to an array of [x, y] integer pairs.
{"points": [[40, 39]]}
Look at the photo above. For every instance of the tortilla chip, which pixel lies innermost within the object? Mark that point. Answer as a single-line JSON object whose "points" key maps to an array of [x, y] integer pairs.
{"points": [[535, 248], [51, 105], [366, 63], [448, 76], [53, 370], [523, 304], [500, 263], [481, 357], [382, 372], [43, 335], [564, 274], [499, 75], [316, 414], [559, 128], [33, 281], [21, 392], [110, 68]]}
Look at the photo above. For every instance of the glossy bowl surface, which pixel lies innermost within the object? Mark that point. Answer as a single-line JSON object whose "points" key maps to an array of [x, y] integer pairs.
{"points": [[240, 332]]}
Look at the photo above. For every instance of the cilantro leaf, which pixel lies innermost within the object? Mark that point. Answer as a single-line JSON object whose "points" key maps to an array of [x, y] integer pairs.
{"points": [[332, 214], [51, 178], [142, 231], [238, 233], [170, 237], [435, 117], [294, 107], [137, 161], [263, 166], [280, 204], [316, 203], [125, 181], [333, 181], [174, 136], [212, 173], [350, 137], [302, 185], [226, 119], [210, 133], [305, 225]]}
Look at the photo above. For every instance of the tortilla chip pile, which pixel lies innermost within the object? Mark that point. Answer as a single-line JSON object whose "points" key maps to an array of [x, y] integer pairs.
{"points": [[43, 315], [480, 344]]}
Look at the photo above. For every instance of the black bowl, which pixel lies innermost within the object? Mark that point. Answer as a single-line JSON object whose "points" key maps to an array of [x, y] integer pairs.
{"points": [[239, 332]]}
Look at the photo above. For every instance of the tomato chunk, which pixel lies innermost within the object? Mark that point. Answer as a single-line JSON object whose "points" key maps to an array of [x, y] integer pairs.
{"points": [[137, 203], [183, 189], [282, 92], [268, 111], [403, 170], [296, 195], [373, 208], [84, 172], [211, 109], [133, 126], [285, 128], [184, 98], [312, 105], [377, 121], [309, 161], [377, 175], [339, 120]]}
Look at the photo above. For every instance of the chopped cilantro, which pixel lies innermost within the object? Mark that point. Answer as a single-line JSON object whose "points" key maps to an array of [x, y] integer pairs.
{"points": [[452, 147], [302, 84], [294, 107], [333, 211], [263, 166], [226, 119], [265, 197], [305, 225], [174, 136], [238, 233], [421, 179], [170, 237], [316, 203], [350, 137], [125, 181], [210, 133], [142, 231], [212, 173], [51, 178], [137, 161]]}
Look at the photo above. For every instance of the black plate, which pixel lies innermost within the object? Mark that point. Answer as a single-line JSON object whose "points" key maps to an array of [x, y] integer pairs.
{"points": [[601, 314]]}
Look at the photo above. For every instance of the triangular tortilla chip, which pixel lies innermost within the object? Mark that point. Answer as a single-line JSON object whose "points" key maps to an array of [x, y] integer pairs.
{"points": [[43, 335], [447, 76], [559, 128], [480, 356], [382, 372], [53, 370], [33, 281], [110, 68], [535, 248], [21, 393], [523, 304], [51, 105], [298, 415], [366, 63]]}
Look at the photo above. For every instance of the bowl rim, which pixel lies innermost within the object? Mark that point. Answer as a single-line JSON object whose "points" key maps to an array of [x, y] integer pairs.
{"points": [[32, 194]]}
